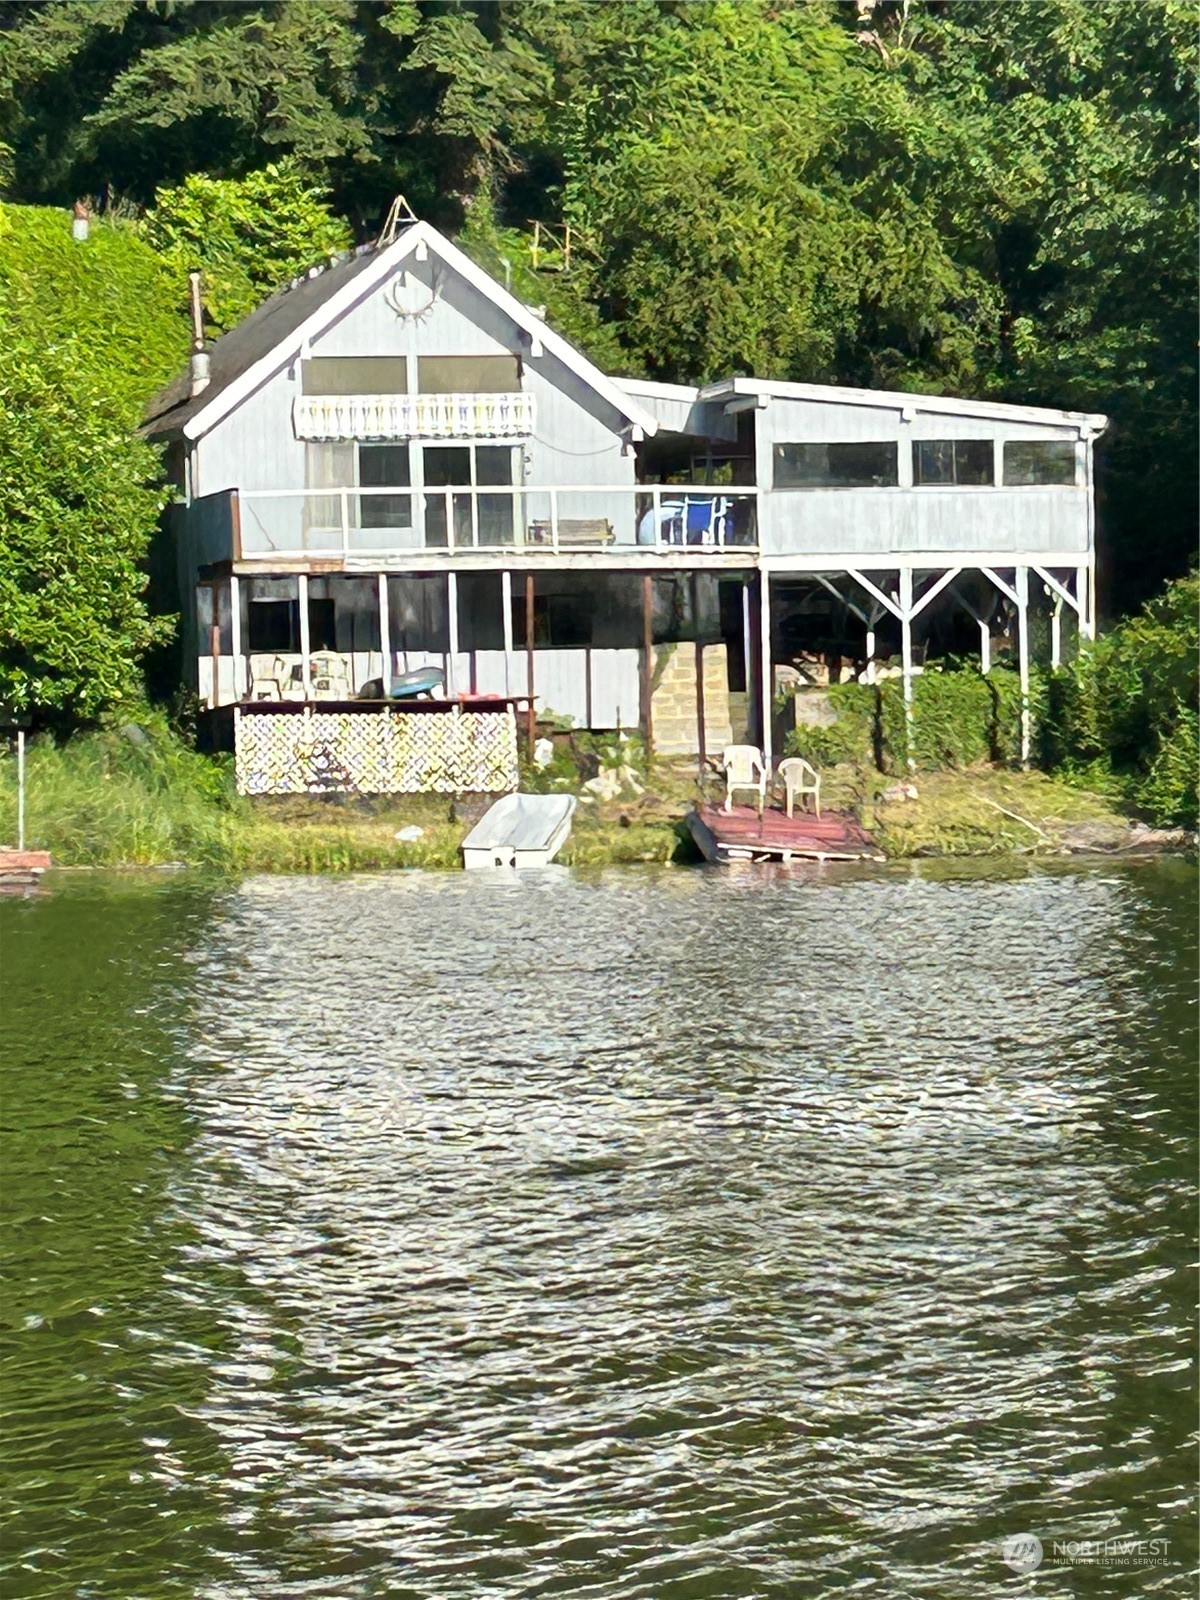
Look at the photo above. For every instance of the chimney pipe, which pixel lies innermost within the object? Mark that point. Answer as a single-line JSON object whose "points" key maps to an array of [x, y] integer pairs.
{"points": [[200, 372]]}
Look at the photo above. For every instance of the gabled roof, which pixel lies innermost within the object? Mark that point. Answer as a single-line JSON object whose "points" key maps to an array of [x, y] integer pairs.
{"points": [[271, 337], [830, 394]]}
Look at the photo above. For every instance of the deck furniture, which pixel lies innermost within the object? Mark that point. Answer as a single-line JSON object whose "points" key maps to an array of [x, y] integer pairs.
{"points": [[329, 674], [744, 768], [574, 533], [269, 675], [799, 778]]}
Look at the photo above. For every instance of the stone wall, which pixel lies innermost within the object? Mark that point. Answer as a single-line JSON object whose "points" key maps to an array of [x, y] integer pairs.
{"points": [[674, 700]]}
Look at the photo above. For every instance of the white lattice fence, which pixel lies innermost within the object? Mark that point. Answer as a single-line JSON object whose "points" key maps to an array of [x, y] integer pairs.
{"points": [[375, 752]]}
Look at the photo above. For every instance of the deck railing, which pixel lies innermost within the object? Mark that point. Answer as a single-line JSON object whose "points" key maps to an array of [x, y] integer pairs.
{"points": [[391, 520]]}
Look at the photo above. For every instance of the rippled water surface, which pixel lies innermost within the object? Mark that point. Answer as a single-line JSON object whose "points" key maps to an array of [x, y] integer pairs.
{"points": [[643, 1235]]}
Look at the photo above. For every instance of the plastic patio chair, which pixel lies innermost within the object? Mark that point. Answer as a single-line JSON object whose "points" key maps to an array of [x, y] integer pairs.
{"points": [[329, 673], [744, 768], [799, 778]]}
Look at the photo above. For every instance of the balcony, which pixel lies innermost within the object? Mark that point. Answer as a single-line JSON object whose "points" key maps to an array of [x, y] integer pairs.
{"points": [[389, 524], [413, 416]]}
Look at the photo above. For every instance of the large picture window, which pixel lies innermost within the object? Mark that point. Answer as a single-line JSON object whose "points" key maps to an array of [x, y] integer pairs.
{"points": [[867, 465], [953, 461], [1039, 461]]}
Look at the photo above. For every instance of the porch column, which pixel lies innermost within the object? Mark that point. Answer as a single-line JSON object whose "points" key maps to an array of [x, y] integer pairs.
{"points": [[507, 623], [1021, 577], [647, 675], [531, 734], [452, 633], [385, 641], [1056, 633], [906, 660], [1085, 588], [235, 633], [701, 749], [766, 670], [305, 636]]}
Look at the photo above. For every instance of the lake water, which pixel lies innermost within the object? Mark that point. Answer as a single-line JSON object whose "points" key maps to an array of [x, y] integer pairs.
{"points": [[651, 1234]]}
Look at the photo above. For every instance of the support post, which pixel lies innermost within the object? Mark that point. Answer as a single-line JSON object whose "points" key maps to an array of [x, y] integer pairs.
{"points": [[305, 636], [701, 739], [767, 675], [235, 633], [1085, 588], [906, 660], [20, 788], [870, 673], [985, 645], [452, 634], [647, 683], [385, 641], [531, 724], [1022, 588], [214, 644], [1056, 633], [507, 624]]}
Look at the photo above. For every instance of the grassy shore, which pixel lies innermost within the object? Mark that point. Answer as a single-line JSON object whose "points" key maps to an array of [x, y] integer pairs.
{"points": [[137, 796]]}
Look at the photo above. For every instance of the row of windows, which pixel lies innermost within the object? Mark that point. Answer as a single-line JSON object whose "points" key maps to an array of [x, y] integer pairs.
{"points": [[875, 464], [389, 375]]}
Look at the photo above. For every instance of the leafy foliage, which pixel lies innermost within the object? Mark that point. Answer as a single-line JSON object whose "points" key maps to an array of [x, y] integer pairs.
{"points": [[86, 339], [1126, 708], [249, 236]]}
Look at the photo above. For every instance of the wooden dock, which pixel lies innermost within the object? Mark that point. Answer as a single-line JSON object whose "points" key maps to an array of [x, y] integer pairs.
{"points": [[742, 835]]}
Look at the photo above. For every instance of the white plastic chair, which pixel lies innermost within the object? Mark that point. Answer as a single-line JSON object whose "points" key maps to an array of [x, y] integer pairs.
{"points": [[329, 673], [744, 769], [799, 778]]}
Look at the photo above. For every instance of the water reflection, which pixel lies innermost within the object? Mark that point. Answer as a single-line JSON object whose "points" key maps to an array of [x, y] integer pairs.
{"points": [[679, 1234]]}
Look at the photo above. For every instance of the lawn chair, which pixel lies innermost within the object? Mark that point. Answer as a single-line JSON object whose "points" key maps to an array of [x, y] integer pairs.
{"points": [[799, 778], [744, 769], [329, 674]]}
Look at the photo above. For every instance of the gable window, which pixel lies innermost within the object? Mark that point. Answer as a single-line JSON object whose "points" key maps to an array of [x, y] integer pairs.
{"points": [[866, 465], [953, 461], [354, 375], [1039, 461], [468, 374]]}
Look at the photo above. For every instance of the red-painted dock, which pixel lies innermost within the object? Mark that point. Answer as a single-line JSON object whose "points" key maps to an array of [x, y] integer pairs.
{"points": [[742, 835]]}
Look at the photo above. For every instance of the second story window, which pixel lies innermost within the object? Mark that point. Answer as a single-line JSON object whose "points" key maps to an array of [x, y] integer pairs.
{"points": [[468, 374], [865, 465], [953, 461], [1039, 461]]}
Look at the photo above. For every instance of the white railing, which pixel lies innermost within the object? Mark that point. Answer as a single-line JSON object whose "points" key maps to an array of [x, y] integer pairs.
{"points": [[390, 521], [413, 416]]}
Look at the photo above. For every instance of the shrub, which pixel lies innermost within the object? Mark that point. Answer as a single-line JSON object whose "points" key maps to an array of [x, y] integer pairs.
{"points": [[851, 738]]}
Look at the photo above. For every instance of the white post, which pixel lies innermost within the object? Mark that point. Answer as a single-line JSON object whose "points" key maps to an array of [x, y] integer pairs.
{"points": [[768, 674], [385, 641], [20, 788], [985, 645], [1085, 588], [906, 661], [305, 636], [235, 634], [656, 514], [452, 627], [448, 501], [506, 604], [1056, 633], [1022, 588], [344, 495], [554, 519], [870, 673]]}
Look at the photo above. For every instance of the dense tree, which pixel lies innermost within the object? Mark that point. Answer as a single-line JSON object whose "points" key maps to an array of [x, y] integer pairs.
{"points": [[86, 337], [937, 194]]}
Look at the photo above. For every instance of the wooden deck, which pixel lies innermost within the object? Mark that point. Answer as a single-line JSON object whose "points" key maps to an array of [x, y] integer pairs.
{"points": [[742, 835]]}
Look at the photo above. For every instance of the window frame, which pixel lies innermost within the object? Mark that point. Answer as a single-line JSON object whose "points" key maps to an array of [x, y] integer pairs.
{"points": [[780, 445], [1071, 445], [954, 483]]}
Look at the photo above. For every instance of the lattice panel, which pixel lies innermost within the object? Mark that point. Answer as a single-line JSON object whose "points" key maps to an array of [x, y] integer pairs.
{"points": [[364, 752]]}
